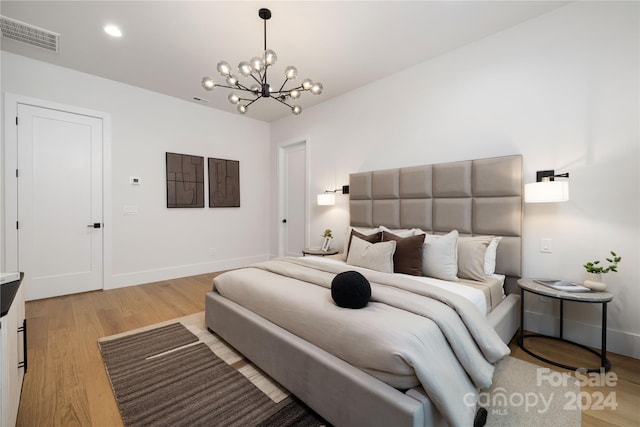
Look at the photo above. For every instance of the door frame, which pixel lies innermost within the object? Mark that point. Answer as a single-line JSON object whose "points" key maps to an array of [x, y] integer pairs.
{"points": [[10, 181], [282, 150]]}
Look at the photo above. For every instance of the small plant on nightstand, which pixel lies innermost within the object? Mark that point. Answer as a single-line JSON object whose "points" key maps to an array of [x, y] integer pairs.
{"points": [[595, 271], [327, 233], [595, 267]]}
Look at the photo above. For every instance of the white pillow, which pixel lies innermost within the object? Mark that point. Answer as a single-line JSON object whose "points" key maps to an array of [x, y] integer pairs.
{"points": [[375, 256], [490, 256], [403, 232], [440, 256], [365, 231]]}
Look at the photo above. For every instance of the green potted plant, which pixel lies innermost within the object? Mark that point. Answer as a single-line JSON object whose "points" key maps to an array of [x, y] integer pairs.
{"points": [[595, 270]]}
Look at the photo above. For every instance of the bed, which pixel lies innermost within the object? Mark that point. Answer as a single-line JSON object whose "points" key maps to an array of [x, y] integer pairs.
{"points": [[473, 199]]}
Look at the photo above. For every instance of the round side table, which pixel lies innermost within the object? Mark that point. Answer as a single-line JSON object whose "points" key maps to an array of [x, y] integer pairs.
{"points": [[531, 286], [318, 252]]}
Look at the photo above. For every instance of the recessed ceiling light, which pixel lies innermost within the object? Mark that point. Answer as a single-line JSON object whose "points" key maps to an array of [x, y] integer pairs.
{"points": [[113, 31]]}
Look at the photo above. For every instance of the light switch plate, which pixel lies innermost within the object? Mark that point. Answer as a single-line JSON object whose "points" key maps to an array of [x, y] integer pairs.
{"points": [[545, 245], [130, 210]]}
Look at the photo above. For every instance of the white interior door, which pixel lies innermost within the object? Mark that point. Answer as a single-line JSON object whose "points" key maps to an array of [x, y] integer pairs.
{"points": [[295, 196], [59, 201]]}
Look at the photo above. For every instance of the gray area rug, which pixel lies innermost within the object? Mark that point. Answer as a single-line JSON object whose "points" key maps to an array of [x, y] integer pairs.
{"points": [[178, 373], [524, 394], [165, 377]]}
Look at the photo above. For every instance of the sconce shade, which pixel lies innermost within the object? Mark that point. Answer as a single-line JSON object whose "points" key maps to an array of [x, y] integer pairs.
{"points": [[326, 199], [546, 192]]}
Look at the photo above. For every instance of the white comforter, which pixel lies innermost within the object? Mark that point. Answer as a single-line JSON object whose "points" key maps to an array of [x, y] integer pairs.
{"points": [[409, 329]]}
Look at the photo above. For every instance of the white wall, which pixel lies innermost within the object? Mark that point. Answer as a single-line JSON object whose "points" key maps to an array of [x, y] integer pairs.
{"points": [[562, 90], [161, 243]]}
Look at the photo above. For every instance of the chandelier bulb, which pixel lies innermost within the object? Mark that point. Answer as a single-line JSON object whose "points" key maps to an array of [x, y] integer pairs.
{"points": [[242, 109], [257, 64], [316, 89], [291, 72], [233, 98], [232, 80], [224, 68], [208, 83], [294, 93], [307, 83], [270, 57], [296, 110], [255, 89], [244, 68]]}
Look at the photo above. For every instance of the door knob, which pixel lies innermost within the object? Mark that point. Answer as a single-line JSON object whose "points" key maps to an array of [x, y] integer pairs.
{"points": [[284, 221], [95, 225]]}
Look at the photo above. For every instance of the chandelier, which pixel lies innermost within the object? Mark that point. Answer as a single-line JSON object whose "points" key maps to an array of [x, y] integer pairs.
{"points": [[257, 69]]}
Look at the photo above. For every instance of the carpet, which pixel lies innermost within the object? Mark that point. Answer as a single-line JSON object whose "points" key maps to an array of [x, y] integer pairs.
{"points": [[150, 367], [524, 394], [167, 376]]}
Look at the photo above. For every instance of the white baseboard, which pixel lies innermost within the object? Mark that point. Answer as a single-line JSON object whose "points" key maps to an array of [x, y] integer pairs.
{"points": [[625, 343], [156, 275]]}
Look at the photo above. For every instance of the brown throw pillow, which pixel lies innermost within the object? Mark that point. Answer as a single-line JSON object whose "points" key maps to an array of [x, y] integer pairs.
{"points": [[408, 256], [371, 238]]}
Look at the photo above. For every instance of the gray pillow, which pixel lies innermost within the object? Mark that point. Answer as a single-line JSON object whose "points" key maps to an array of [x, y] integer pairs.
{"points": [[440, 256], [375, 256], [359, 230], [471, 252]]}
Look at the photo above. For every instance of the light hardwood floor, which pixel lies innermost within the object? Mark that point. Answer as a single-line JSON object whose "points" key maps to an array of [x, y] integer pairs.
{"points": [[67, 385]]}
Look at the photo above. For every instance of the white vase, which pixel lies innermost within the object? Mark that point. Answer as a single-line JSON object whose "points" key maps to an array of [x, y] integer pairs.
{"points": [[594, 282]]}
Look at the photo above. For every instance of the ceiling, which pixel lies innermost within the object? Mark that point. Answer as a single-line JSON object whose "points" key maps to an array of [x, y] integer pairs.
{"points": [[168, 46]]}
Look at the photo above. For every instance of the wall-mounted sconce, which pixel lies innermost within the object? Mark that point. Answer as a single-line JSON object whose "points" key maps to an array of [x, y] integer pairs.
{"points": [[546, 189], [328, 198]]}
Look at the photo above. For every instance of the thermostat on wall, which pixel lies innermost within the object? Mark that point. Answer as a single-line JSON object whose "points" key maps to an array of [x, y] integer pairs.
{"points": [[135, 180]]}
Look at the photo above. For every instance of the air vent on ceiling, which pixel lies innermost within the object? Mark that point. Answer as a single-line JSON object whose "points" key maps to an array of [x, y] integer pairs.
{"points": [[29, 34]]}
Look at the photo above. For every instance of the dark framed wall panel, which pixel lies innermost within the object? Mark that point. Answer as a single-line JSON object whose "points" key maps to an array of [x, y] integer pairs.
{"points": [[224, 183], [185, 181]]}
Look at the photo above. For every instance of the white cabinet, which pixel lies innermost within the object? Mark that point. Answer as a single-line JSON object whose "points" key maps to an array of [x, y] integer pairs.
{"points": [[12, 358]]}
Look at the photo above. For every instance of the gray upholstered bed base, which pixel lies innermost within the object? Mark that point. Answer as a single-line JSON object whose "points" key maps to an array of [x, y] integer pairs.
{"points": [[339, 392]]}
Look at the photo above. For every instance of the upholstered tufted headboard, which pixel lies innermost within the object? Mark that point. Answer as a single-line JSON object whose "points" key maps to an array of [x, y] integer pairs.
{"points": [[475, 197]]}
